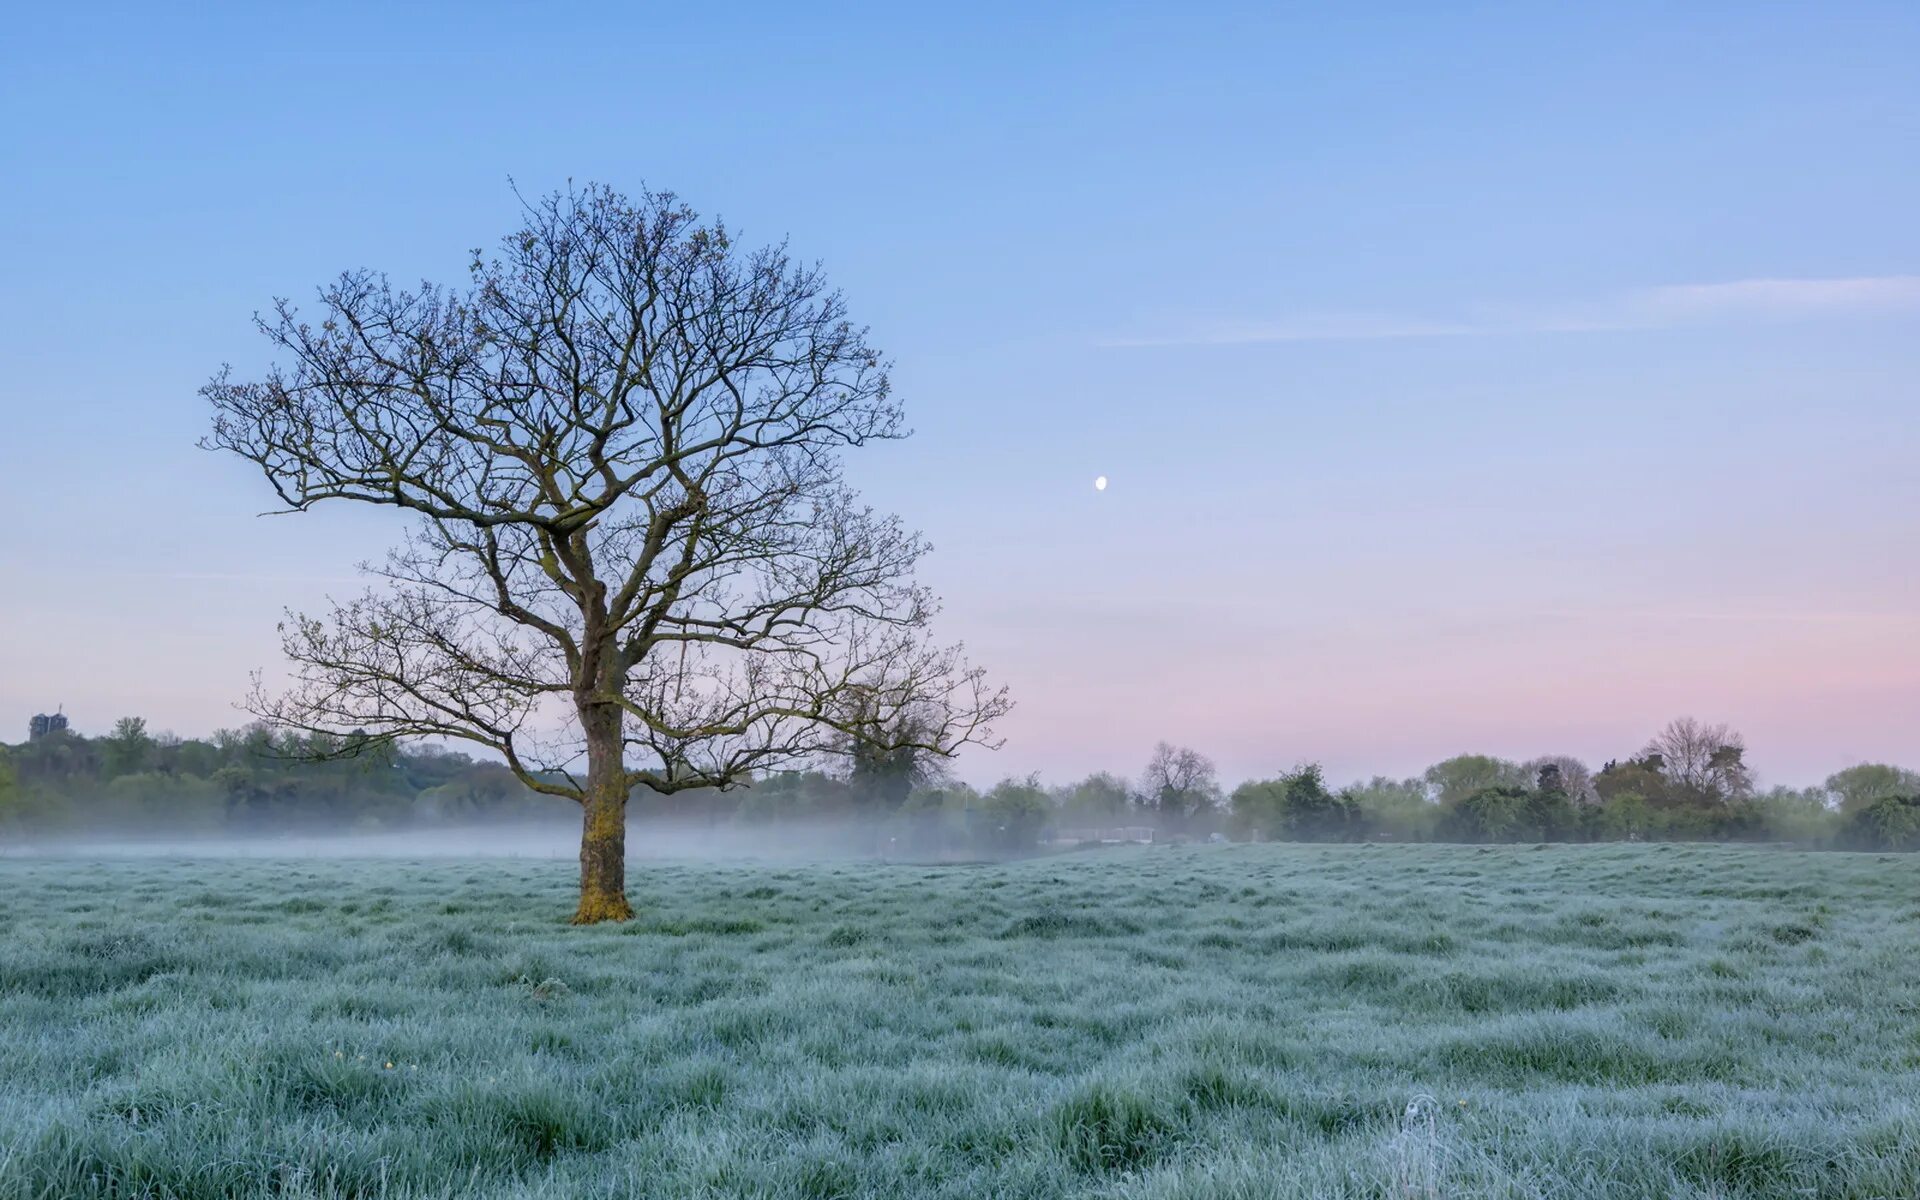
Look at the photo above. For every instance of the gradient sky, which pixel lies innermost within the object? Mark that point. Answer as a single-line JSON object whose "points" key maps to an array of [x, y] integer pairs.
{"points": [[1493, 378]]}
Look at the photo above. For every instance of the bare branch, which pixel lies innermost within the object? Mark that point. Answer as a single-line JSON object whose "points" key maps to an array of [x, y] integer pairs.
{"points": [[635, 561]]}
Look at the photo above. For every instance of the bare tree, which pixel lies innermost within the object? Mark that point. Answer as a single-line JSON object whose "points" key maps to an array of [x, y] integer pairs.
{"points": [[1179, 784], [635, 562], [1705, 763], [1576, 778]]}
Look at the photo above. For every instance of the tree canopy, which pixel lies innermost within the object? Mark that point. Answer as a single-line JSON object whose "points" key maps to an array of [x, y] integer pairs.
{"points": [[635, 560]]}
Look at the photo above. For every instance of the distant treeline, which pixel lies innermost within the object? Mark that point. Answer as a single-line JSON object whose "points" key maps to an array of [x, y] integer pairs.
{"points": [[1689, 782], [245, 780]]}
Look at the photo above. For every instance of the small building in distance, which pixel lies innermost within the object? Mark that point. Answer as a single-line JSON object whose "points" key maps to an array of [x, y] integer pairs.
{"points": [[45, 725]]}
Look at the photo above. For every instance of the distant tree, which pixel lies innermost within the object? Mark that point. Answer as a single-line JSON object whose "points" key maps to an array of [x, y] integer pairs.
{"points": [[1397, 808], [12, 804], [886, 755], [1099, 797], [1012, 813], [194, 757], [621, 447], [1856, 787], [1297, 806], [1703, 764], [1888, 823], [152, 800], [1550, 779], [127, 748], [243, 792], [947, 795], [1492, 814], [1179, 785], [1639, 778], [476, 792], [1309, 812], [1550, 815], [244, 780], [935, 817], [58, 761], [1458, 777], [1575, 777], [883, 776], [1798, 815], [427, 765], [1255, 809], [792, 793]]}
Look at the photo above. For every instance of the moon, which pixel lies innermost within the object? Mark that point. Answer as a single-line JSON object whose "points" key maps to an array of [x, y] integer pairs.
{"points": [[1100, 483]]}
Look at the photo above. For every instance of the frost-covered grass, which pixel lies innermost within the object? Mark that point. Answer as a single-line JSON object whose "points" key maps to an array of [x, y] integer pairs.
{"points": [[1606, 1021]]}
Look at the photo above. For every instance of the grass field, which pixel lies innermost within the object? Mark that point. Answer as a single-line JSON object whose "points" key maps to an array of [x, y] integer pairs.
{"points": [[1555, 1022]]}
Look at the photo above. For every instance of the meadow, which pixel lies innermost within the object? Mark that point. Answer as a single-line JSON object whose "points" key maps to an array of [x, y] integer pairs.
{"points": [[1198, 1021]]}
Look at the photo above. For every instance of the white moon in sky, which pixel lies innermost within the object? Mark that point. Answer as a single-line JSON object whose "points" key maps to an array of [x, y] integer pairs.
{"points": [[1100, 484]]}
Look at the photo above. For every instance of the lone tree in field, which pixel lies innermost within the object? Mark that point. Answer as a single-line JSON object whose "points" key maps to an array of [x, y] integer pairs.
{"points": [[636, 563]]}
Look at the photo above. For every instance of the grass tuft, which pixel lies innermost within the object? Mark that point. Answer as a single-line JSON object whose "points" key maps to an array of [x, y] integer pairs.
{"points": [[1111, 1127]]}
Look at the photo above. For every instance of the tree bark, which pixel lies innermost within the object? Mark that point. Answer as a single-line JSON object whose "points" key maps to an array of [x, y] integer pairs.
{"points": [[603, 834]]}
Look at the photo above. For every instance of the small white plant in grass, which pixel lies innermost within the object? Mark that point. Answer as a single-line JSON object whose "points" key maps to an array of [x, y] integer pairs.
{"points": [[1415, 1154]]}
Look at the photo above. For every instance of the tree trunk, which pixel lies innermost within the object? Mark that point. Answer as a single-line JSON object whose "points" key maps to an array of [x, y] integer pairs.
{"points": [[603, 834]]}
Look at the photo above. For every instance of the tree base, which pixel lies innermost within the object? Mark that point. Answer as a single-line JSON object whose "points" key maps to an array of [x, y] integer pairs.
{"points": [[595, 909]]}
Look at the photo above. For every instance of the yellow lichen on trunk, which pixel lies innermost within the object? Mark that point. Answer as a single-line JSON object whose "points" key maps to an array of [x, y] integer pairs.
{"points": [[603, 858], [596, 907]]}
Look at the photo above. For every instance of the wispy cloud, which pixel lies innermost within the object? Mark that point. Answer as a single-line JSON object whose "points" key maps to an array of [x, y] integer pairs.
{"points": [[1787, 297], [224, 577], [1673, 306]]}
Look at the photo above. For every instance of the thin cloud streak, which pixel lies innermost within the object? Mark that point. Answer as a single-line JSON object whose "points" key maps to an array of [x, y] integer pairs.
{"points": [[1790, 297], [1783, 617], [1665, 307], [224, 577]]}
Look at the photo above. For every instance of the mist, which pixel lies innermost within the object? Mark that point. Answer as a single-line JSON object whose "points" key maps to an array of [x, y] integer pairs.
{"points": [[558, 839], [258, 793]]}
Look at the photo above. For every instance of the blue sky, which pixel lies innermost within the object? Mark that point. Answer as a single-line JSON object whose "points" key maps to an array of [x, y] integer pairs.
{"points": [[1502, 378]]}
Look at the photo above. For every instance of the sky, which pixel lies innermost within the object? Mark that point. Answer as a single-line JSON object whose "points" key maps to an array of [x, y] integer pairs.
{"points": [[1505, 379]]}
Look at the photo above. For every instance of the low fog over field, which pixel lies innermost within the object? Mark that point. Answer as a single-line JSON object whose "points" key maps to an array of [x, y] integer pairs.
{"points": [[256, 792], [664, 839]]}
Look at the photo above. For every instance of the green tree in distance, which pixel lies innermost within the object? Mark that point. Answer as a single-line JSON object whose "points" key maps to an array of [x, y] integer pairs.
{"points": [[1857, 787]]}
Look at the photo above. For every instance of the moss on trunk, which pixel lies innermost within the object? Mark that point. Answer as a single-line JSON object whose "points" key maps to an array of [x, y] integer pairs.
{"points": [[603, 833]]}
